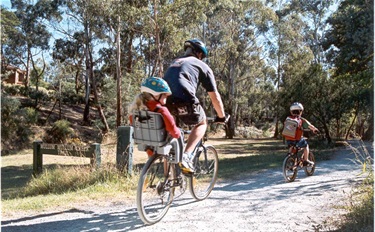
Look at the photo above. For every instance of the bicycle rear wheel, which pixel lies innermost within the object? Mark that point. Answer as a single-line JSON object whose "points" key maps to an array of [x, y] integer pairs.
{"points": [[206, 167], [155, 189], [289, 168], [309, 170]]}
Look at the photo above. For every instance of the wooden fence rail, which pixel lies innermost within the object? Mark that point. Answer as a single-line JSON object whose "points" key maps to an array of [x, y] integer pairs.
{"points": [[40, 149]]}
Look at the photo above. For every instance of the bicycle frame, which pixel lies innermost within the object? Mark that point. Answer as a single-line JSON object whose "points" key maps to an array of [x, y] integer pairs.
{"points": [[161, 178], [293, 162]]}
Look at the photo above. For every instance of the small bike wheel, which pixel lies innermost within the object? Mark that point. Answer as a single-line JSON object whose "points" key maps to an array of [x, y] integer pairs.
{"points": [[155, 189], [290, 168], [206, 167], [310, 169]]}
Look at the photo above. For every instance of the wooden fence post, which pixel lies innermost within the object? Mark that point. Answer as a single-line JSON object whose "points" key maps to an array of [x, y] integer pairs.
{"points": [[37, 158], [124, 153]]}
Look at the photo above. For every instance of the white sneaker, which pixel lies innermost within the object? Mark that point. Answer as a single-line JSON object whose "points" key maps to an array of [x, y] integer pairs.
{"points": [[309, 163], [186, 164]]}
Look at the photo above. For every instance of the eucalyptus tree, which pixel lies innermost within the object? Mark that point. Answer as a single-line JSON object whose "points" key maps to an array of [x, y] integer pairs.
{"points": [[68, 51], [167, 24], [86, 21], [31, 35], [9, 23], [314, 13], [120, 28], [350, 46], [291, 52], [233, 34]]}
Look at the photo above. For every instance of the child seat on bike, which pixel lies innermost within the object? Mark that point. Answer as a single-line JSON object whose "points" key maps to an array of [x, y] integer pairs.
{"points": [[149, 131], [149, 128]]}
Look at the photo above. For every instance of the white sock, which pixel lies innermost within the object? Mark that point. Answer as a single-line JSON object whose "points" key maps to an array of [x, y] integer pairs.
{"points": [[189, 155]]}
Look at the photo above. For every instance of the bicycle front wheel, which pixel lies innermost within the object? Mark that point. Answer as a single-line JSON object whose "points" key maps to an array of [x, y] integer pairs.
{"points": [[290, 168], [155, 189], [203, 180], [309, 170]]}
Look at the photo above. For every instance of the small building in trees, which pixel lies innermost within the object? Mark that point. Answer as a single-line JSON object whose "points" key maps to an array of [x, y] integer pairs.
{"points": [[12, 75]]}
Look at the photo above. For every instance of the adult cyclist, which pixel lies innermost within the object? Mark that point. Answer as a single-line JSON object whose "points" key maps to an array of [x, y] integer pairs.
{"points": [[184, 76]]}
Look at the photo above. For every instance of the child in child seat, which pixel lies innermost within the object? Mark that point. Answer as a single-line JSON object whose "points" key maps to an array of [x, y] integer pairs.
{"points": [[153, 97]]}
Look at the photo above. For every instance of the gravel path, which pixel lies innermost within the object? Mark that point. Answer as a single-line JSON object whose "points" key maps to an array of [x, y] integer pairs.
{"points": [[259, 202]]}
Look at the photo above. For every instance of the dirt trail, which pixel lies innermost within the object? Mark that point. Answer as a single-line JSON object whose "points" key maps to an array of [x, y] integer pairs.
{"points": [[259, 202]]}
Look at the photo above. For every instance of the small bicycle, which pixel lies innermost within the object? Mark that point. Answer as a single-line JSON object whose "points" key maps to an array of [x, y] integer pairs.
{"points": [[161, 179], [294, 162]]}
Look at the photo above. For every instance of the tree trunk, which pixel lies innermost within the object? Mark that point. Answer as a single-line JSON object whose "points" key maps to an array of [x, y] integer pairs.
{"points": [[128, 66], [96, 97], [350, 127], [86, 113], [118, 75], [369, 134]]}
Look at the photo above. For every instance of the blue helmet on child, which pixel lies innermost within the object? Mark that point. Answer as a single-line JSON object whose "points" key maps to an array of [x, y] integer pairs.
{"points": [[155, 86]]}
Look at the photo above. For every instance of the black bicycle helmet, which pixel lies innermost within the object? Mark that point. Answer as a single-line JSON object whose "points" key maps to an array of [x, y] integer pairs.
{"points": [[196, 44]]}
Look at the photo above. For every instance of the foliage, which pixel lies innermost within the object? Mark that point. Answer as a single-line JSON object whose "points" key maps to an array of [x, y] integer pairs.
{"points": [[360, 216], [41, 94], [10, 89], [349, 44], [15, 124], [31, 115], [265, 55], [59, 133]]}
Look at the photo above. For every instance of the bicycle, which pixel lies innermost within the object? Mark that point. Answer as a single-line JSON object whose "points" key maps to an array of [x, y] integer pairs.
{"points": [[294, 162], [161, 177]]}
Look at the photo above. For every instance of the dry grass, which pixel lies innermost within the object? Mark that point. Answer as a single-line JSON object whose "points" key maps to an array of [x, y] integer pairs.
{"points": [[68, 181]]}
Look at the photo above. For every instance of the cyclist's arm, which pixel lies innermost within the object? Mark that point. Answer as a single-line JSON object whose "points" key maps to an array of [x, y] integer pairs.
{"points": [[307, 124], [170, 124], [217, 103]]}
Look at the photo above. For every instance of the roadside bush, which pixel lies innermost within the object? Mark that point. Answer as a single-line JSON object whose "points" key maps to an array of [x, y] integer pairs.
{"points": [[15, 124], [9, 118], [360, 216], [59, 133], [11, 89]]}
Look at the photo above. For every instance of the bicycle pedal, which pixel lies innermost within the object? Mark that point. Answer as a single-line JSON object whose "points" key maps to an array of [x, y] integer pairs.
{"points": [[187, 173]]}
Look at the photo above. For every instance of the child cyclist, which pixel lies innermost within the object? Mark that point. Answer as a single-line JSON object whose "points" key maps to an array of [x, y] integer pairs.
{"points": [[293, 130]]}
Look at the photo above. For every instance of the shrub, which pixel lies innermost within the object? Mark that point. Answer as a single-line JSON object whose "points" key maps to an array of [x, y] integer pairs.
{"points": [[31, 115], [360, 215], [60, 132], [15, 124], [69, 95], [11, 89], [9, 117], [42, 94]]}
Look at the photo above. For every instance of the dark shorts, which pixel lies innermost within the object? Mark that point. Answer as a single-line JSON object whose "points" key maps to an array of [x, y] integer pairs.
{"points": [[301, 143], [189, 114]]}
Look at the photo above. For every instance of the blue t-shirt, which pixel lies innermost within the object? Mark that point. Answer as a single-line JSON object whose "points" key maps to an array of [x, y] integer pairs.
{"points": [[184, 76]]}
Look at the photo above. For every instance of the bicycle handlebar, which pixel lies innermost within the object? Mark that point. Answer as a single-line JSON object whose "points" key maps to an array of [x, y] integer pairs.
{"points": [[222, 120]]}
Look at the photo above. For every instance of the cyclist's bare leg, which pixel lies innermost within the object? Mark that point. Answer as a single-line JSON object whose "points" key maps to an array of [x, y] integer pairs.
{"points": [[306, 154], [196, 134]]}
